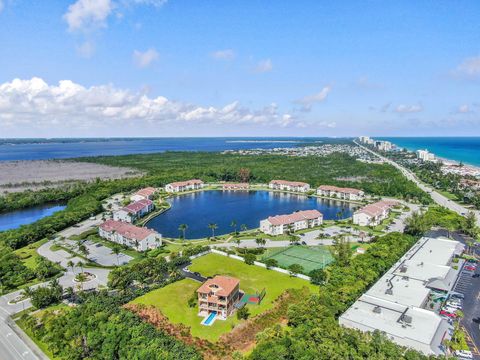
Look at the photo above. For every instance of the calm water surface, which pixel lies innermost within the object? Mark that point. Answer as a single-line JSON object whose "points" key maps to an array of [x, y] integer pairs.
{"points": [[15, 219], [199, 209]]}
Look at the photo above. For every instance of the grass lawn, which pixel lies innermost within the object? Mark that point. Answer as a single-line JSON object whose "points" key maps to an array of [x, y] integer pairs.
{"points": [[172, 299], [29, 254]]}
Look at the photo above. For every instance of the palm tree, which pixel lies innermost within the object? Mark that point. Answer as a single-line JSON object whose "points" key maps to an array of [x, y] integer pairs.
{"points": [[137, 244], [80, 265], [213, 226], [183, 228], [243, 227], [116, 249], [83, 249], [233, 224], [71, 265]]}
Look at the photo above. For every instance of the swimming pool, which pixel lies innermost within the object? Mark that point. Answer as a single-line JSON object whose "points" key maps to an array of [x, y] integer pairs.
{"points": [[210, 319]]}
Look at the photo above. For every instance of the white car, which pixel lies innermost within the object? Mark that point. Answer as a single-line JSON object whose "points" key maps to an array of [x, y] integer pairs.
{"points": [[454, 305], [450, 309], [463, 354]]}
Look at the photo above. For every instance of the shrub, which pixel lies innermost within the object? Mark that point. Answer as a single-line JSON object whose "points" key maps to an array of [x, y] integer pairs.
{"points": [[250, 259]]}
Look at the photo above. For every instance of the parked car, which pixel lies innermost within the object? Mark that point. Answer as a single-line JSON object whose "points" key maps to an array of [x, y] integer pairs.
{"points": [[448, 314], [470, 268], [463, 354], [476, 275], [457, 295], [453, 307]]}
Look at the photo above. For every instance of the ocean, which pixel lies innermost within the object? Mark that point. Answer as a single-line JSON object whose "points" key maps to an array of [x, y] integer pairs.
{"points": [[464, 149], [43, 149]]}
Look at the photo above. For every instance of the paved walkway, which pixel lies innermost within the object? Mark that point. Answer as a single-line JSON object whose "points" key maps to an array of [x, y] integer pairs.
{"points": [[436, 196]]}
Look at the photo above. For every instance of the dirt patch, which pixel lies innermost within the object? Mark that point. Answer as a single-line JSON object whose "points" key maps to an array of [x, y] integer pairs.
{"points": [[38, 174]]}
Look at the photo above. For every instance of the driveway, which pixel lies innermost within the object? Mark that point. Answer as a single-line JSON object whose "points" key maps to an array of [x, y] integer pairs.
{"points": [[101, 254]]}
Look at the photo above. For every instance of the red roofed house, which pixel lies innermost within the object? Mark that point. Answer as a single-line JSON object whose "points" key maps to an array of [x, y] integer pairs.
{"points": [[218, 295], [130, 235], [134, 211], [285, 185], [180, 186], [236, 186], [280, 224], [142, 194], [340, 193], [373, 214]]}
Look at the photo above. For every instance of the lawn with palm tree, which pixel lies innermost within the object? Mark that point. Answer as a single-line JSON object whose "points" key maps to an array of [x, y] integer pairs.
{"points": [[172, 300]]}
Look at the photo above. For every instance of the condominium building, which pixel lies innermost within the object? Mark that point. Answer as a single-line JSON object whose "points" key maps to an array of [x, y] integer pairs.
{"points": [[281, 224], [130, 235], [373, 214], [188, 185], [284, 185], [398, 303], [236, 186], [340, 193], [425, 155], [143, 194], [218, 295], [134, 211]]}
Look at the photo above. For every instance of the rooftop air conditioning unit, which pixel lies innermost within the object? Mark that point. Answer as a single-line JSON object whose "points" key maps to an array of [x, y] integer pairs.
{"points": [[389, 292], [377, 310]]}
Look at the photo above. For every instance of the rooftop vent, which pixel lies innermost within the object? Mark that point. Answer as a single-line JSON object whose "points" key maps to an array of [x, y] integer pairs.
{"points": [[377, 310], [403, 268], [407, 319], [389, 292]]}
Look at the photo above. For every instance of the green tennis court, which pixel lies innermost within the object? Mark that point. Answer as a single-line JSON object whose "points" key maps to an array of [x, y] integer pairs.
{"points": [[309, 258]]}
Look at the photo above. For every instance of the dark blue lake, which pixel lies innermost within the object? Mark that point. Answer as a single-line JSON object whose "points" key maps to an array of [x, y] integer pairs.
{"points": [[15, 219], [199, 209]]}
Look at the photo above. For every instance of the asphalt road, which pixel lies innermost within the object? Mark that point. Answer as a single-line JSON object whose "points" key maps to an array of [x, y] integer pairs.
{"points": [[436, 196]]}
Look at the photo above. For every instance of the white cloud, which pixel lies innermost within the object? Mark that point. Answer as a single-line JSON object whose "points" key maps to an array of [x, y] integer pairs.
{"points": [[84, 14], [227, 54], [1, 5], [35, 104], [88, 14], [308, 101], [469, 68], [464, 109], [146, 58], [264, 66], [408, 109], [86, 49]]}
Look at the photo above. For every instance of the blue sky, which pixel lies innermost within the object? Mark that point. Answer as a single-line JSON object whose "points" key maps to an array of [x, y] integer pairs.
{"points": [[200, 68]]}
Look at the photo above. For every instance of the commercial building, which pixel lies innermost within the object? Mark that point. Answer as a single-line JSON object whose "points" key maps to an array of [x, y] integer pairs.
{"points": [[188, 185], [384, 145], [281, 224], [425, 155], [284, 185], [218, 295], [144, 194], [130, 235], [340, 193], [397, 304], [134, 211], [373, 214], [366, 140], [236, 186]]}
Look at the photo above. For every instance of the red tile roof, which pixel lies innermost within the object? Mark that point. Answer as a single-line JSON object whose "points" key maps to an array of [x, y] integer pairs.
{"points": [[187, 182], [294, 217], [377, 208], [339, 189], [127, 230], [138, 205], [147, 192], [219, 285], [286, 182]]}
